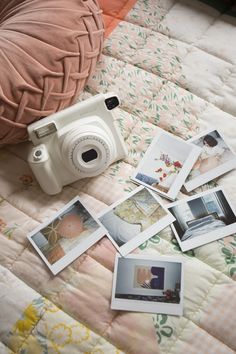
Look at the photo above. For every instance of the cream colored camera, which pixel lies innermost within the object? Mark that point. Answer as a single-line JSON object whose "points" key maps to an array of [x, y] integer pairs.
{"points": [[77, 142]]}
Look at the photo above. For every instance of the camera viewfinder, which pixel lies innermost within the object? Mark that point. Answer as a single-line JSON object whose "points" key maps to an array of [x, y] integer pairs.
{"points": [[112, 102]]}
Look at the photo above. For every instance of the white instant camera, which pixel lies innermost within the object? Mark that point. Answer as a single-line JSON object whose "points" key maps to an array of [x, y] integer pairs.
{"points": [[77, 142]]}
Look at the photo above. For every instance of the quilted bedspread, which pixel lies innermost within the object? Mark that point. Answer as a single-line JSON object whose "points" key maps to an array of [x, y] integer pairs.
{"points": [[173, 65]]}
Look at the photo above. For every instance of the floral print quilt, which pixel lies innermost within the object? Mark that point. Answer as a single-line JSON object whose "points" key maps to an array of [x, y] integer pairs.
{"points": [[173, 65]]}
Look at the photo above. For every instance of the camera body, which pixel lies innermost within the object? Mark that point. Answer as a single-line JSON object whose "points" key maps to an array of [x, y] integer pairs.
{"points": [[77, 142]]}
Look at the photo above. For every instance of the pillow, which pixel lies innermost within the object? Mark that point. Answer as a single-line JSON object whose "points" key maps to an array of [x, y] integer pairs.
{"points": [[120, 230], [207, 218], [48, 50]]}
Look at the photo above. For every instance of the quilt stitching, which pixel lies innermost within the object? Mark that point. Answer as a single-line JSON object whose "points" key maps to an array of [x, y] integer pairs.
{"points": [[19, 255], [80, 260], [124, 63], [23, 251], [140, 67], [169, 350], [195, 44], [10, 350], [168, 243], [32, 329], [69, 281], [140, 25], [197, 324], [100, 263], [224, 79], [174, 80], [200, 306], [165, 81], [94, 246], [188, 318], [176, 38], [73, 275], [197, 39]]}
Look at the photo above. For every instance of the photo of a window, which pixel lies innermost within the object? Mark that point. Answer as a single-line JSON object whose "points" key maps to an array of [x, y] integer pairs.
{"points": [[202, 219]]}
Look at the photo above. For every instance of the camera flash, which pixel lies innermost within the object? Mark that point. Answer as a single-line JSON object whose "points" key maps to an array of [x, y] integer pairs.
{"points": [[45, 130]]}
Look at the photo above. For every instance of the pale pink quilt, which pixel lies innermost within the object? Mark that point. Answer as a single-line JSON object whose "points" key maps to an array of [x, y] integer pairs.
{"points": [[173, 64]]}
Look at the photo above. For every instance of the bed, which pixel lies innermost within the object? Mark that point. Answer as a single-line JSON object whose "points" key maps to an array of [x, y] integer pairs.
{"points": [[202, 226], [173, 64]]}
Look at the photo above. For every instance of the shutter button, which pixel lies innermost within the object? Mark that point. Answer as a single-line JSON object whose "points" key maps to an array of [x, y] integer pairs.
{"points": [[37, 155]]}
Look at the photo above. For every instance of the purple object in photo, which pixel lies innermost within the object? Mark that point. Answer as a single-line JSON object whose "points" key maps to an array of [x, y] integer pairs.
{"points": [[158, 281]]}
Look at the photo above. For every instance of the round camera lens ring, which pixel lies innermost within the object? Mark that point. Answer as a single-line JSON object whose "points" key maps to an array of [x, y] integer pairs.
{"points": [[84, 138], [89, 155], [86, 143]]}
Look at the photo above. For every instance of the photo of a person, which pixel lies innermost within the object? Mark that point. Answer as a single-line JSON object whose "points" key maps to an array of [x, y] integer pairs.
{"points": [[211, 155], [216, 158]]}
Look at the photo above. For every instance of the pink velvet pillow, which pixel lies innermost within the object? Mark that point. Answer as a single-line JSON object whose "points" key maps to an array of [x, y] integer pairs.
{"points": [[48, 49]]}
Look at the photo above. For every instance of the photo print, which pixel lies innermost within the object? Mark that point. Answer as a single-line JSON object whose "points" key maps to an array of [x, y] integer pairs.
{"points": [[215, 159], [145, 283], [66, 236], [166, 164], [134, 219], [203, 218]]}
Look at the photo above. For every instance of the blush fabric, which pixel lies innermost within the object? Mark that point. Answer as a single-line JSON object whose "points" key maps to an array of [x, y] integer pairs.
{"points": [[114, 11], [48, 50]]}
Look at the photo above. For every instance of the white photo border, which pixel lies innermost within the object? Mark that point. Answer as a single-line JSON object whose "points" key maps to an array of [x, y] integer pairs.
{"points": [[75, 252], [215, 172], [145, 306], [144, 235], [209, 236], [182, 175]]}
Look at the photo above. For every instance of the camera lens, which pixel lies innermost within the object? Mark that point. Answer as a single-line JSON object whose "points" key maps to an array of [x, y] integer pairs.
{"points": [[112, 102], [87, 150], [89, 155]]}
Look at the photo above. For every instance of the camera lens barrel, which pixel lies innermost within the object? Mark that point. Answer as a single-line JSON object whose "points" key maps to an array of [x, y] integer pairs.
{"points": [[87, 152]]}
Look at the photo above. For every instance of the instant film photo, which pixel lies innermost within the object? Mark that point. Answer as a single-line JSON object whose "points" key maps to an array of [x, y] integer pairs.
{"points": [[202, 218], [134, 219], [66, 235], [166, 164], [145, 283]]}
